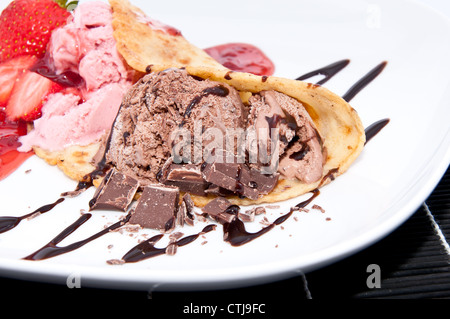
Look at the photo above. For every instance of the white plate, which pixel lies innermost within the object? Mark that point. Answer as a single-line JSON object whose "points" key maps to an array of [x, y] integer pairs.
{"points": [[396, 171]]}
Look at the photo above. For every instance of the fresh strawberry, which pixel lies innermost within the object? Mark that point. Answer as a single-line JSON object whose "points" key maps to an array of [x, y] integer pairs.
{"points": [[10, 71], [26, 26], [28, 95]]}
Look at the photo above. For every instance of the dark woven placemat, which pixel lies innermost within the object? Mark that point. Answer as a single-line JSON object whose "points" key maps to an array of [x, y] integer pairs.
{"points": [[414, 261]]}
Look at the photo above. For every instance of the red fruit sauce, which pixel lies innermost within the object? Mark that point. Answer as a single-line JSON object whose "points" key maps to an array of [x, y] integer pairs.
{"points": [[10, 131], [242, 57]]}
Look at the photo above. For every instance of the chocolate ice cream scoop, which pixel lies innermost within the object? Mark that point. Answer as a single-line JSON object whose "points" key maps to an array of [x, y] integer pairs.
{"points": [[297, 148], [171, 112]]}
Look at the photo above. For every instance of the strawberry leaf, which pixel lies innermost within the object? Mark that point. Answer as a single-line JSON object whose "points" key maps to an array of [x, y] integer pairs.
{"points": [[67, 4]]}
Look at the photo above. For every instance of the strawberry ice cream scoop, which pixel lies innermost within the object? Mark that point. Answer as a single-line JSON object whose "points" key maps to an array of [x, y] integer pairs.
{"points": [[86, 46], [65, 121]]}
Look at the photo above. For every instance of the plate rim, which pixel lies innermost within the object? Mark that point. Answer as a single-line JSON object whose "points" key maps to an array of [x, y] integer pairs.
{"points": [[55, 273]]}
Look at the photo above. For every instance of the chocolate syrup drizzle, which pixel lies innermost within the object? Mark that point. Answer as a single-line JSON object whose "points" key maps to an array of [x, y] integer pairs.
{"points": [[9, 222], [364, 81], [52, 249], [375, 128], [234, 232], [219, 90], [332, 69], [147, 248], [328, 71]]}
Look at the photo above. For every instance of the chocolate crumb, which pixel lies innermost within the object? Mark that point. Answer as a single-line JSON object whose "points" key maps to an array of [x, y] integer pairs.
{"points": [[260, 210], [315, 206], [171, 249], [175, 236], [265, 221], [247, 216], [115, 262]]}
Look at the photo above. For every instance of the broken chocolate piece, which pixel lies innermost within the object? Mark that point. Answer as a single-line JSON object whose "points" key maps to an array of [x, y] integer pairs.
{"points": [[221, 210], [181, 214], [157, 208], [218, 191], [189, 204], [188, 178], [185, 211], [116, 191], [247, 216], [239, 179]]}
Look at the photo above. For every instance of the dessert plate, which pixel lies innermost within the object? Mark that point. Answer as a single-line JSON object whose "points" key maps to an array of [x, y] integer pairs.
{"points": [[395, 173]]}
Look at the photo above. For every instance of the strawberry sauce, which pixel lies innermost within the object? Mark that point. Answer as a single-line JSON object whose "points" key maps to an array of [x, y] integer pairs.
{"points": [[10, 131], [242, 57]]}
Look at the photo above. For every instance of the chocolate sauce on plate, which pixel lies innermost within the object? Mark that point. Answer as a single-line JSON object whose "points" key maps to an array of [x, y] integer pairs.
{"points": [[52, 249], [328, 71], [147, 248], [375, 128], [364, 81], [236, 234], [9, 222]]}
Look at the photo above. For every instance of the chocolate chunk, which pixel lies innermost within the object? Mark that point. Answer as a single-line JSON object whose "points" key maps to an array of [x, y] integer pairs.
{"points": [[247, 216], [188, 178], [181, 214], [185, 211], [157, 208], [189, 203], [218, 191], [239, 179], [220, 209], [116, 191]]}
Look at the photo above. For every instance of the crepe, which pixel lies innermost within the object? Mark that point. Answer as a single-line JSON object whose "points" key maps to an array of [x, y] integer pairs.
{"points": [[75, 161], [146, 47], [148, 50]]}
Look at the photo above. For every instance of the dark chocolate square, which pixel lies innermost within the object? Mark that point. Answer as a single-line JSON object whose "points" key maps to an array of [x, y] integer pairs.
{"points": [[188, 178], [157, 207], [239, 179], [218, 209], [116, 191]]}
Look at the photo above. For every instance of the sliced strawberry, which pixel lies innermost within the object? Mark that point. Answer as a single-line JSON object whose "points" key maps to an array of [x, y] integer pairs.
{"points": [[28, 95], [10, 71]]}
